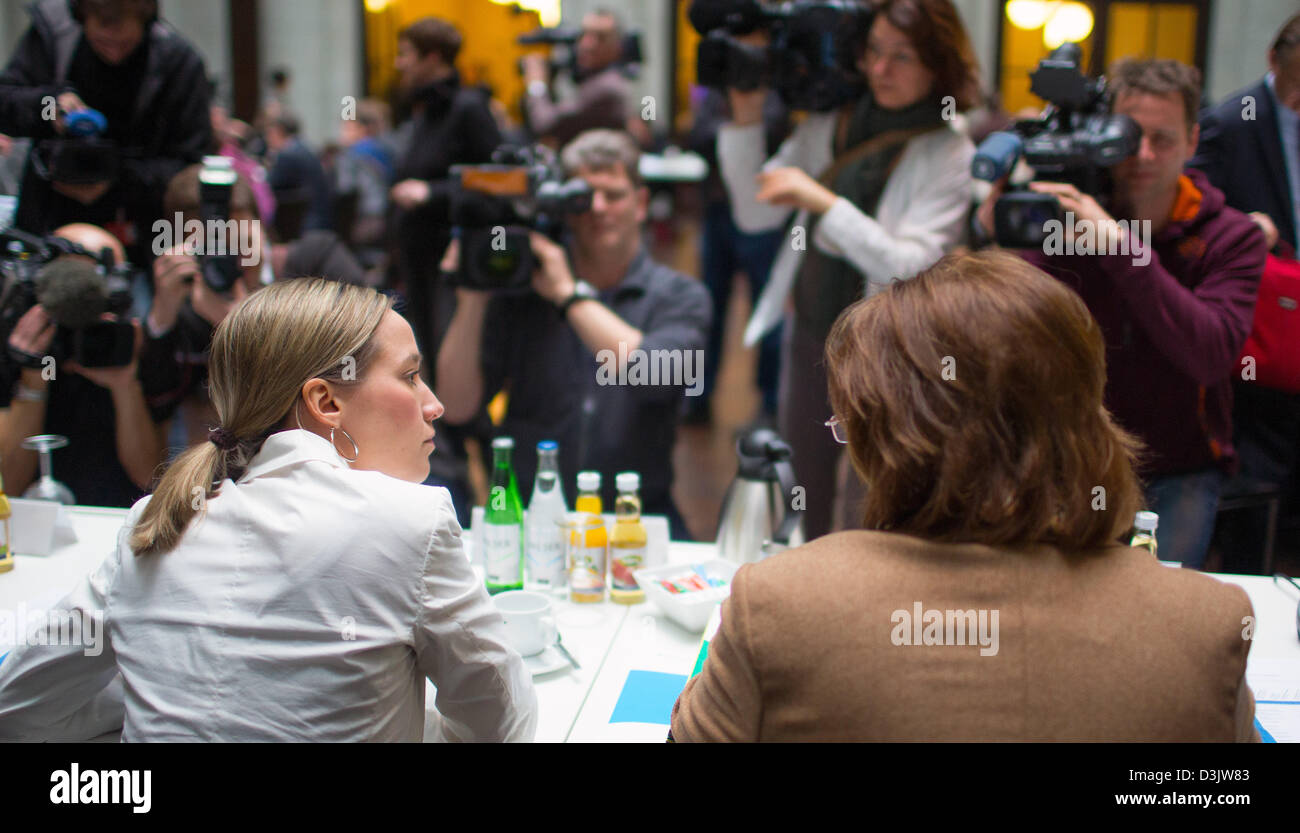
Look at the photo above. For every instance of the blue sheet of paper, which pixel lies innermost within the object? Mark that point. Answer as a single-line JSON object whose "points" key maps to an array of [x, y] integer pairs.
{"points": [[648, 697]]}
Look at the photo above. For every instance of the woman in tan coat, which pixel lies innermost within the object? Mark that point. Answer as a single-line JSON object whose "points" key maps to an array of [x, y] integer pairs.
{"points": [[989, 598]]}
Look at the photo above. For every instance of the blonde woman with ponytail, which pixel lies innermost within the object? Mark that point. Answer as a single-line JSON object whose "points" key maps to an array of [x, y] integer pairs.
{"points": [[289, 579]]}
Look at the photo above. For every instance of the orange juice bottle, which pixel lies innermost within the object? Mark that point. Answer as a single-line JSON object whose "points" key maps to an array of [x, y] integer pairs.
{"points": [[627, 549], [6, 543], [588, 545]]}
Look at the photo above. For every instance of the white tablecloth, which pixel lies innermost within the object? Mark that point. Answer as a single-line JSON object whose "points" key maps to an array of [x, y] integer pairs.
{"points": [[611, 641]]}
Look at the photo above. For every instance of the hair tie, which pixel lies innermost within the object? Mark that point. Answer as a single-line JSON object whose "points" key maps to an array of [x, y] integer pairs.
{"points": [[223, 438]]}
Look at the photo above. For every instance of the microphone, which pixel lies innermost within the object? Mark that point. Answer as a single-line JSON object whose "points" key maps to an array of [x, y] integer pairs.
{"points": [[72, 291]]}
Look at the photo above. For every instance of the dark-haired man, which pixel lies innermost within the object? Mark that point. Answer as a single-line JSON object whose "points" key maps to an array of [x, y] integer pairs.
{"points": [[297, 177], [1173, 288], [449, 125], [1250, 149], [116, 57]]}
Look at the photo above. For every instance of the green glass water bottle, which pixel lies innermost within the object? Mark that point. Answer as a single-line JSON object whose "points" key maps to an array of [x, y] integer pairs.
{"points": [[503, 533]]}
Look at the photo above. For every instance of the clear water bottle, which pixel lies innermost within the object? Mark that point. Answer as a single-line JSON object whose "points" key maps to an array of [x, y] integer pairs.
{"points": [[544, 539]]}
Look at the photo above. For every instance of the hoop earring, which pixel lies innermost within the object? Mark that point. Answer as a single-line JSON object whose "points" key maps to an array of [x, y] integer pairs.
{"points": [[356, 452]]}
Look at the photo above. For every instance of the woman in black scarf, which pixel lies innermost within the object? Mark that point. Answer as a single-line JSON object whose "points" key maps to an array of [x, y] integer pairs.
{"points": [[882, 190]]}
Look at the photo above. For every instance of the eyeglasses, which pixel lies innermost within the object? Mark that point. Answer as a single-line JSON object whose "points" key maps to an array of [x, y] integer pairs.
{"points": [[838, 430], [901, 59]]}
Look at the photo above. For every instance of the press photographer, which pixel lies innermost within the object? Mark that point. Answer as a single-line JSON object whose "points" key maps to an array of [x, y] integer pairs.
{"points": [[77, 372], [601, 97], [1174, 317], [881, 184], [601, 293], [148, 85], [212, 253]]}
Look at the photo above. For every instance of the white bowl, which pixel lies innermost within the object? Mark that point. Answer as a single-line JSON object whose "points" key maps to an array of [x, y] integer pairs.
{"points": [[690, 609]]}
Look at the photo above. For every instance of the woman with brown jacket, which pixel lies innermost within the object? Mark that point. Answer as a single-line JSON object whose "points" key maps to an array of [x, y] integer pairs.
{"points": [[989, 597]]}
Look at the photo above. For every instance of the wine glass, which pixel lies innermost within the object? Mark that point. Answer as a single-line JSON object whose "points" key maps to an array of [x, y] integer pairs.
{"points": [[47, 488]]}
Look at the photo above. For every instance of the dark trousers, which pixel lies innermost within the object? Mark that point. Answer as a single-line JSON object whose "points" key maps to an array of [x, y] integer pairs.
{"points": [[1266, 433], [724, 251], [802, 413]]}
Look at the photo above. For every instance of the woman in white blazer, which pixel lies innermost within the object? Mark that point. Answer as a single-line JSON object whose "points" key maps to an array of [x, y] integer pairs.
{"points": [[882, 189], [290, 579]]}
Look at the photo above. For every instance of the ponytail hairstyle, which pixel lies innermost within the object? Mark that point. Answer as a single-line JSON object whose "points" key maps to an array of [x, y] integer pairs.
{"points": [[265, 350]]}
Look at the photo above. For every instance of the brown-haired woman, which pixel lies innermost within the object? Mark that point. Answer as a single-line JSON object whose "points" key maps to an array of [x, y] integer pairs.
{"points": [[883, 189], [989, 600]]}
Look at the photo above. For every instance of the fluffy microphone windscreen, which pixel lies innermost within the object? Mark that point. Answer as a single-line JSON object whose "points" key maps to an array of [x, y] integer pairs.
{"points": [[72, 291]]}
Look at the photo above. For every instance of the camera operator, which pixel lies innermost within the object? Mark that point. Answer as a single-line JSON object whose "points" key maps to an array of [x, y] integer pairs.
{"points": [[885, 184], [544, 345], [602, 97], [115, 442], [1175, 308], [148, 82]]}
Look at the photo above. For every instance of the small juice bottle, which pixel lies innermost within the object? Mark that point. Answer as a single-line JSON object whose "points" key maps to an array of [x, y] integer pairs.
{"points": [[587, 573], [627, 549], [1144, 531], [6, 553]]}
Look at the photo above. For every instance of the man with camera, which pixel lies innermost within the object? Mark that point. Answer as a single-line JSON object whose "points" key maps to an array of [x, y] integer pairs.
{"points": [[96, 400], [212, 253], [600, 303], [1174, 303], [148, 88], [602, 97]]}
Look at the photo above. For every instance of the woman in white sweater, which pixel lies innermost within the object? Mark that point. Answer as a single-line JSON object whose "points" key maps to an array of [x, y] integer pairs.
{"points": [[289, 579], [882, 189]]}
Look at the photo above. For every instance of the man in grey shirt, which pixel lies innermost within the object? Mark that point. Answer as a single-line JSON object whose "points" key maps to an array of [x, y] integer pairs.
{"points": [[601, 352]]}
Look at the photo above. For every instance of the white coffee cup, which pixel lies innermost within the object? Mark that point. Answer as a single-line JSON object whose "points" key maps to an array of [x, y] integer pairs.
{"points": [[530, 624]]}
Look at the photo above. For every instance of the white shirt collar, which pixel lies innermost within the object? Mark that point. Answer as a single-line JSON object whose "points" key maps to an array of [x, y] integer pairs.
{"points": [[289, 448]]}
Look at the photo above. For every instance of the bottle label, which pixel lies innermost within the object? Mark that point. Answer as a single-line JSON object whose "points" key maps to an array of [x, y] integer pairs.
{"points": [[622, 561], [501, 553], [546, 553]]}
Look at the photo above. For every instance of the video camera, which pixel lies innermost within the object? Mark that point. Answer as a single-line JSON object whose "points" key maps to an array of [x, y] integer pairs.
{"points": [[83, 155], [565, 58], [73, 292], [497, 205], [811, 56], [1077, 140]]}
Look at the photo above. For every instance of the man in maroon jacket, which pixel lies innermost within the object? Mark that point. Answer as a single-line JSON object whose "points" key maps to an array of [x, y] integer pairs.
{"points": [[1173, 289]]}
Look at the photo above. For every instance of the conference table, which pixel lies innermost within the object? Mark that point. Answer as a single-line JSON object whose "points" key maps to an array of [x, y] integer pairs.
{"points": [[634, 659]]}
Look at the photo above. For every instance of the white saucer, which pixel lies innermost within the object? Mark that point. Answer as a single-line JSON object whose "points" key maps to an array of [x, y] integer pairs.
{"points": [[546, 662]]}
